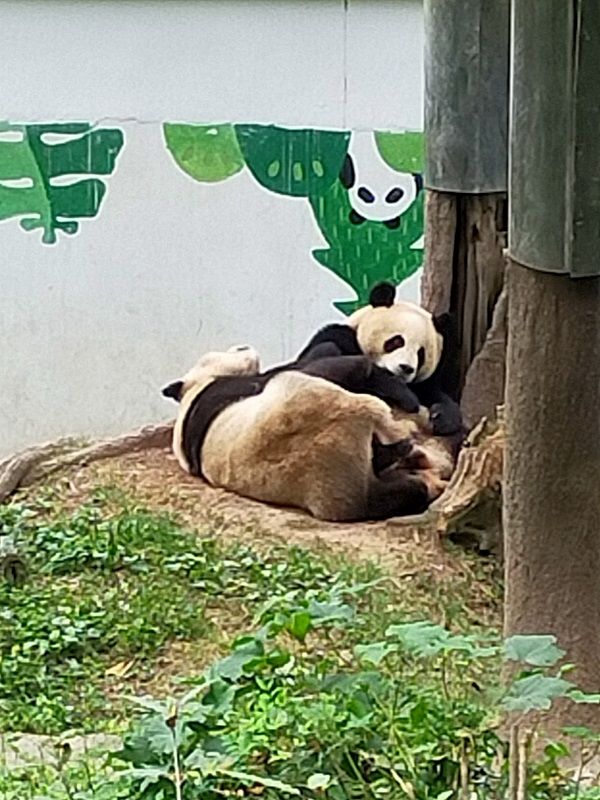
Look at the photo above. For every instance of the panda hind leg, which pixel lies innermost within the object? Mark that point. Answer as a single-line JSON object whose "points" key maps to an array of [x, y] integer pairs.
{"points": [[398, 496]]}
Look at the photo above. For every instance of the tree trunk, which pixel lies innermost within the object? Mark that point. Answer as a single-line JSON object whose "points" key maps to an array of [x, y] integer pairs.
{"points": [[552, 470], [463, 274], [484, 382]]}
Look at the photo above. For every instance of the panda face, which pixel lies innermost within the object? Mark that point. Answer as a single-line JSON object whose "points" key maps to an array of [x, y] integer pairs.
{"points": [[401, 338], [376, 191]]}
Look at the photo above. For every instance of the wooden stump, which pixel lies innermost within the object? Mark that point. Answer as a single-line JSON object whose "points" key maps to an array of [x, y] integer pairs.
{"points": [[464, 274]]}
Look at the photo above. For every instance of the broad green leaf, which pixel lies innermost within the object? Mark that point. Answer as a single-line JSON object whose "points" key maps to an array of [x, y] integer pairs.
{"points": [[39, 165], [147, 776], [299, 625], [427, 639], [423, 638], [207, 153], [535, 692], [446, 795], [220, 696], [403, 151], [539, 651], [149, 704], [330, 612], [582, 697], [318, 782], [296, 162], [374, 653], [232, 667], [149, 744]]}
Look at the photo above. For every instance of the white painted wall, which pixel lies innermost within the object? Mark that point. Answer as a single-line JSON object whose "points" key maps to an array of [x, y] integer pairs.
{"points": [[93, 326], [295, 62]]}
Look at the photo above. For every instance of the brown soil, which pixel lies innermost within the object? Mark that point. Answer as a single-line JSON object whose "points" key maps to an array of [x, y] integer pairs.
{"points": [[156, 481]]}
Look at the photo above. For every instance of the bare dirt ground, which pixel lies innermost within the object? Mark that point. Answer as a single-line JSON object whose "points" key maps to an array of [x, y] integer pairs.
{"points": [[156, 481]]}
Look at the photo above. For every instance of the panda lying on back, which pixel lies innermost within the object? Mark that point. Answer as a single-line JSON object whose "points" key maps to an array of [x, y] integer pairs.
{"points": [[301, 437], [408, 342]]}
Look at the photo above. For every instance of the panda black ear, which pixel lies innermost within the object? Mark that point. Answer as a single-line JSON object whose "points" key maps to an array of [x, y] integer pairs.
{"points": [[347, 173], [173, 390], [443, 323], [383, 294], [418, 181]]}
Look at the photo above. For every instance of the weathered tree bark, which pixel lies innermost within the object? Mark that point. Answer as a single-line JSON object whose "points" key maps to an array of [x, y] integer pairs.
{"points": [[552, 473], [485, 379], [463, 274]]}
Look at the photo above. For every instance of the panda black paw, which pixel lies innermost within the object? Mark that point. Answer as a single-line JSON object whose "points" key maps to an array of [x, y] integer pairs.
{"points": [[393, 389], [445, 418], [408, 401]]}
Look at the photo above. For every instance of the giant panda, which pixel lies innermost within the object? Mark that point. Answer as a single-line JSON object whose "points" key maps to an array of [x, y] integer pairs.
{"points": [[407, 341], [299, 438]]}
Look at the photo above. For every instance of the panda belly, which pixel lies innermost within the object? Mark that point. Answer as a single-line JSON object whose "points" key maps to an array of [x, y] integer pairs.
{"points": [[303, 442]]}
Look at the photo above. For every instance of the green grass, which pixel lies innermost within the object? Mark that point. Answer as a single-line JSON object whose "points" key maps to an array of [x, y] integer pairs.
{"points": [[324, 677], [111, 582]]}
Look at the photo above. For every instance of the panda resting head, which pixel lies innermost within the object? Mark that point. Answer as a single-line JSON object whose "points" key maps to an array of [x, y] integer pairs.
{"points": [[399, 336], [410, 343]]}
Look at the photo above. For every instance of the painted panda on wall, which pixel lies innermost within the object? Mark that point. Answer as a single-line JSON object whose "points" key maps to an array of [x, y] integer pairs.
{"points": [[298, 438], [376, 191], [407, 341]]}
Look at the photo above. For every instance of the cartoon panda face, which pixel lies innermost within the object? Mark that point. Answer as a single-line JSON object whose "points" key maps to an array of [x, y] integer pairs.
{"points": [[376, 191]]}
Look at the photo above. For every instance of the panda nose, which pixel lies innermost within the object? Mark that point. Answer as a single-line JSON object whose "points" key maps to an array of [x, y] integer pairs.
{"points": [[406, 369]]}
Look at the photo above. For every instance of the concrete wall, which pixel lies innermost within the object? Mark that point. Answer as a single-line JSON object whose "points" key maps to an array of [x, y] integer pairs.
{"points": [[169, 184]]}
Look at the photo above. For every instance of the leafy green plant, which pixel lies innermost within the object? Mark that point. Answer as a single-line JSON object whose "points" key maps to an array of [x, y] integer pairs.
{"points": [[340, 690], [33, 169], [402, 719], [111, 583]]}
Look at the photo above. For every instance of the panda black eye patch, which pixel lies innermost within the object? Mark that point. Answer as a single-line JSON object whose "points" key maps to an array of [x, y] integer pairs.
{"points": [[420, 357], [394, 195], [395, 343], [366, 195]]}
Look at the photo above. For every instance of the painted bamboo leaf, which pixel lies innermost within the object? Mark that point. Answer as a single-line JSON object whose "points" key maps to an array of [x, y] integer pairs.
{"points": [[39, 169], [362, 255], [295, 162], [402, 151], [207, 153]]}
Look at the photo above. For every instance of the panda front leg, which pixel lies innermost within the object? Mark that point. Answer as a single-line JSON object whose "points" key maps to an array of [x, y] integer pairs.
{"points": [[393, 389], [446, 417], [444, 412], [336, 335]]}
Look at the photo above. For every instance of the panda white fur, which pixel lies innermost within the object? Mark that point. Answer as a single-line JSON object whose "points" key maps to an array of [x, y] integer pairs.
{"points": [[408, 342], [296, 439]]}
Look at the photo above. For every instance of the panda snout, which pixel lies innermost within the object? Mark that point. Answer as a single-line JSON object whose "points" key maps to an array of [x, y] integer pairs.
{"points": [[406, 369]]}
